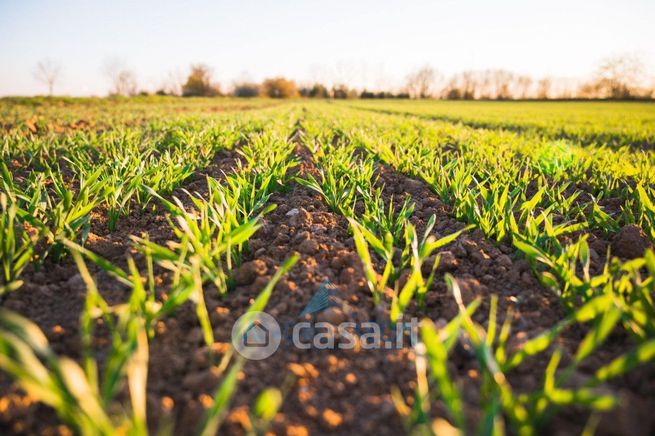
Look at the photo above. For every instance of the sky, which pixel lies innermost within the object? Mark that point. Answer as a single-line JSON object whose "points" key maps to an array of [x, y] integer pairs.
{"points": [[365, 43]]}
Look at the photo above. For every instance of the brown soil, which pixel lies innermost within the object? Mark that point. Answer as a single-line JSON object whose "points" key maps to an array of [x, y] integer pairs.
{"points": [[631, 242], [53, 295]]}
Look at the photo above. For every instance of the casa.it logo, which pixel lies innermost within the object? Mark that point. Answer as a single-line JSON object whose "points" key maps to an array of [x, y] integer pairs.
{"points": [[256, 335]]}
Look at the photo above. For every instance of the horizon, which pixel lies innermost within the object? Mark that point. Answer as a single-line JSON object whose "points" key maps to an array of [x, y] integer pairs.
{"points": [[367, 45]]}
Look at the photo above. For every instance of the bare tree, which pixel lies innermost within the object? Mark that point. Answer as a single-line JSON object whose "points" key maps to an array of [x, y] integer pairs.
{"points": [[523, 85], [172, 84], [47, 72], [468, 85], [123, 80], [619, 76], [544, 88], [420, 83], [344, 72], [483, 85], [502, 81]]}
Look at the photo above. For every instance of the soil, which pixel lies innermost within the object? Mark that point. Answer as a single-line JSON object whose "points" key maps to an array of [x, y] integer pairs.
{"points": [[631, 242], [327, 392]]}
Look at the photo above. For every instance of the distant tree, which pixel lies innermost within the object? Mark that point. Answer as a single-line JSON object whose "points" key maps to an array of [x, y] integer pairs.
{"points": [[47, 72], [502, 81], [451, 91], [462, 86], [588, 90], [172, 84], [246, 89], [618, 77], [279, 87], [483, 85], [420, 83], [123, 80], [492, 84], [469, 85], [523, 86], [343, 92], [381, 94], [544, 88], [125, 83], [199, 83], [318, 91]]}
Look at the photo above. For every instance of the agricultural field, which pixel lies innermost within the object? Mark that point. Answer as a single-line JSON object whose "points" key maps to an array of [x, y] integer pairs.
{"points": [[600, 123], [136, 233]]}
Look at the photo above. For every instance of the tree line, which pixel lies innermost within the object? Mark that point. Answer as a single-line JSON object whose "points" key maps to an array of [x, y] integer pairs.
{"points": [[199, 84], [619, 78]]}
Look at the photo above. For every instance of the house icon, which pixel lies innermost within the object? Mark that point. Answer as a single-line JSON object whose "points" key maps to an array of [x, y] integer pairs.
{"points": [[256, 335]]}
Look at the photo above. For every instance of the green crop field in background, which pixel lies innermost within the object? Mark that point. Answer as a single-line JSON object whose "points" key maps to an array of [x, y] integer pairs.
{"points": [[615, 123]]}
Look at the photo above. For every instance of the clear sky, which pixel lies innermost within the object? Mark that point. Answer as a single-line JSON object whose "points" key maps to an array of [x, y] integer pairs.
{"points": [[364, 42]]}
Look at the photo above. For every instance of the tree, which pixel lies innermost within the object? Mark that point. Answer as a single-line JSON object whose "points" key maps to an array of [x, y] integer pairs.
{"points": [[172, 84], [618, 77], [47, 72], [421, 82], [279, 87], [246, 89], [318, 91], [199, 83], [502, 81], [544, 88], [123, 80], [452, 90], [523, 86], [125, 83], [342, 92]]}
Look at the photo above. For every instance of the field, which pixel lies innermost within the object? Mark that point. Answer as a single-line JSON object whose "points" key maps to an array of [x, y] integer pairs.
{"points": [[135, 232]]}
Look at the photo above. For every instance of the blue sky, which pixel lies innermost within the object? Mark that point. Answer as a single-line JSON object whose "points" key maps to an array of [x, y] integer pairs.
{"points": [[366, 43]]}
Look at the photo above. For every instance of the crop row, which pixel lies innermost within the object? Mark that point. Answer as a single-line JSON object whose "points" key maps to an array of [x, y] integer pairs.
{"points": [[38, 116], [610, 124], [54, 182], [211, 234]]}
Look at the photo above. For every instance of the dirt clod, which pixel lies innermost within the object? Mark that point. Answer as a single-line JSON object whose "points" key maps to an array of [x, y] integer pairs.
{"points": [[308, 246], [201, 381], [630, 242], [331, 418], [249, 271]]}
